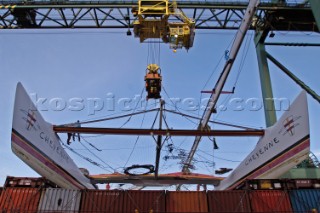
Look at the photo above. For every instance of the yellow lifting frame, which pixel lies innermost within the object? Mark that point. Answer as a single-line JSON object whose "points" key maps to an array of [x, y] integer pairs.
{"points": [[153, 22]]}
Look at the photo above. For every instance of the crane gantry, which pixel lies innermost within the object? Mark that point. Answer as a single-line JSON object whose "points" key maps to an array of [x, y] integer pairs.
{"points": [[117, 14]]}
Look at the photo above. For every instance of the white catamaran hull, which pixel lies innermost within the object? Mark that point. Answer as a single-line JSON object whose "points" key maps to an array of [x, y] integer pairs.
{"points": [[284, 145], [34, 142]]}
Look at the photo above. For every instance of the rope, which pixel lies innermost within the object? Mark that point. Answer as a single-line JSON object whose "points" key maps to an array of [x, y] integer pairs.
{"points": [[97, 156], [215, 122], [135, 143], [112, 118], [175, 106], [90, 144], [135, 108], [233, 161], [244, 56], [86, 158]]}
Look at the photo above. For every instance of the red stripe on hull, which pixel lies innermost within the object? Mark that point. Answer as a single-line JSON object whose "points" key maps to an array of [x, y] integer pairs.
{"points": [[25, 146], [282, 158]]}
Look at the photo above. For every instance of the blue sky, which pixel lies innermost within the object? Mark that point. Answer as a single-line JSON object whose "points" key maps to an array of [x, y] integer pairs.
{"points": [[101, 64]]}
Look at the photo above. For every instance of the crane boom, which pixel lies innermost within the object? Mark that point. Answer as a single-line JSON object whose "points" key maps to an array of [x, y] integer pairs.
{"points": [[250, 11]]}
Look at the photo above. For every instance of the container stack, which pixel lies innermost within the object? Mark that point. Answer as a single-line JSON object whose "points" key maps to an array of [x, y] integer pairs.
{"points": [[256, 196]]}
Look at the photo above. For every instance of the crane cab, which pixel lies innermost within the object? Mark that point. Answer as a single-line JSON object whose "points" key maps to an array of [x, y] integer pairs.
{"points": [[153, 81]]}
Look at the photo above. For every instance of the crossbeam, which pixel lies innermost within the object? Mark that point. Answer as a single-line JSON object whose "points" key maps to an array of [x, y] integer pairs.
{"points": [[117, 15], [161, 180], [164, 132]]}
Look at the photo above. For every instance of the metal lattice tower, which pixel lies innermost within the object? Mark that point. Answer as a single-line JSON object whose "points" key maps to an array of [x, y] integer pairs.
{"points": [[311, 162]]}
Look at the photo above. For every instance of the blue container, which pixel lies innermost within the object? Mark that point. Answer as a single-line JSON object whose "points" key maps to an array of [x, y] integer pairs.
{"points": [[305, 200]]}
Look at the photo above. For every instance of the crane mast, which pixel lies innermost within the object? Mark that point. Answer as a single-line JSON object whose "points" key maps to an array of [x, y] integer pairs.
{"points": [[245, 24]]}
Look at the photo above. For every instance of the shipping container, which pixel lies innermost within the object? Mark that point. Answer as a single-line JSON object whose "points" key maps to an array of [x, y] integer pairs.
{"points": [[64, 200], [303, 183], [28, 182], [305, 200], [186, 201], [228, 201], [20, 200], [110, 201], [262, 184], [144, 201], [269, 201]]}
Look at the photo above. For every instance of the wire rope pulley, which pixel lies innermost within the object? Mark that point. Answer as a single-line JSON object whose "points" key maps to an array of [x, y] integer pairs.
{"points": [[153, 81]]}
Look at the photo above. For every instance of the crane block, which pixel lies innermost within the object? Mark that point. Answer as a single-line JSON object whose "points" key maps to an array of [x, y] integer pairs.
{"points": [[146, 29], [153, 81]]}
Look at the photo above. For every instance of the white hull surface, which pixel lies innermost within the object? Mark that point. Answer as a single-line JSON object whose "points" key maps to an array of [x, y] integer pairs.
{"points": [[284, 145], [34, 142]]}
